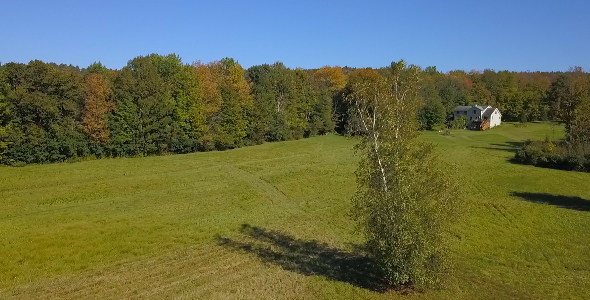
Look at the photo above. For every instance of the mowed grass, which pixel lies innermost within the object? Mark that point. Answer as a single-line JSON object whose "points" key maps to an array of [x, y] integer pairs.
{"points": [[272, 222]]}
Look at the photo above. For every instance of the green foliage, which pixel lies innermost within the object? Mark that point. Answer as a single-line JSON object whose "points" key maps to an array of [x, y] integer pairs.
{"points": [[302, 107], [523, 117], [237, 101], [322, 117], [569, 99], [360, 81], [264, 111], [458, 123], [453, 92], [157, 105], [431, 115], [44, 105], [286, 106], [143, 118], [99, 68], [4, 114], [405, 201], [560, 155], [189, 109]]}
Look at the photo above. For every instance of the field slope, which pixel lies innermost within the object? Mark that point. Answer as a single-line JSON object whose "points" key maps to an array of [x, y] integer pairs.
{"points": [[271, 222]]}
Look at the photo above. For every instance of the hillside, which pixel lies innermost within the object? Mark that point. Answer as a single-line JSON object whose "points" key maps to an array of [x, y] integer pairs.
{"points": [[271, 222]]}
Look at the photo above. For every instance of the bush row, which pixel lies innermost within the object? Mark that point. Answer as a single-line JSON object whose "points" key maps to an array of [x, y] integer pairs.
{"points": [[556, 155]]}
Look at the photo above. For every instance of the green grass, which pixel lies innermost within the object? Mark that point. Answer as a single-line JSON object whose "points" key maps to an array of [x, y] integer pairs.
{"points": [[171, 226]]}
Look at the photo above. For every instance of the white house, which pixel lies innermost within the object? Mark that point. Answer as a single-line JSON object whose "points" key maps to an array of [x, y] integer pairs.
{"points": [[479, 114]]}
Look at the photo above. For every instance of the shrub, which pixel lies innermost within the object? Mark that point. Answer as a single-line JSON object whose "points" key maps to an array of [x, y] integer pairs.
{"points": [[561, 155], [458, 123]]}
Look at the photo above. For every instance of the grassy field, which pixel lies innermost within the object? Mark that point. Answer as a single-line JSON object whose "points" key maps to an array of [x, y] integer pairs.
{"points": [[271, 222]]}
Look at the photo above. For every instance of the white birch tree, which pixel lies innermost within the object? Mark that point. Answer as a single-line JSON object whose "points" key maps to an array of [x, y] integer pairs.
{"points": [[405, 201]]}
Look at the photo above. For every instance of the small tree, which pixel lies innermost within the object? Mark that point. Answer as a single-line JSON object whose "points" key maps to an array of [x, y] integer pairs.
{"points": [[458, 123], [404, 200], [432, 114]]}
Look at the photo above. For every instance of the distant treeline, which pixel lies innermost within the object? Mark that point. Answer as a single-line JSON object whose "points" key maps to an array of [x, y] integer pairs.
{"points": [[158, 105]]}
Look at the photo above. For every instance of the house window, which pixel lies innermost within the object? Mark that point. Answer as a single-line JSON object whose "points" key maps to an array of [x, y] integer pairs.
{"points": [[470, 118], [474, 111]]}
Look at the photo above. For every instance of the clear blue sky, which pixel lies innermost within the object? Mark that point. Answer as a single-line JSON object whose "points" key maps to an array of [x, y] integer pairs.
{"points": [[513, 35]]}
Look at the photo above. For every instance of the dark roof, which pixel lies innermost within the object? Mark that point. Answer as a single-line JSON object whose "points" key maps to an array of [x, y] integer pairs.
{"points": [[488, 112], [462, 108]]}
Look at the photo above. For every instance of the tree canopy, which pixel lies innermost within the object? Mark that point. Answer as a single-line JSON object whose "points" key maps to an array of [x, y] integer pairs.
{"points": [[157, 104]]}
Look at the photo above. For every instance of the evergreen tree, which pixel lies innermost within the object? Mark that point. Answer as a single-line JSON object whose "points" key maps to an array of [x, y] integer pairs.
{"points": [[327, 83], [263, 112]]}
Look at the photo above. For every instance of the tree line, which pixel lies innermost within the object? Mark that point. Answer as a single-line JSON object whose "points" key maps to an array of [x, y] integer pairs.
{"points": [[155, 105], [569, 101], [521, 97], [158, 104]]}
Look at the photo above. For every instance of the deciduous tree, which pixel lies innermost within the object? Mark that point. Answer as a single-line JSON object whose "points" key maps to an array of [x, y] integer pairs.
{"points": [[569, 99], [142, 122], [404, 199], [96, 106], [332, 78]]}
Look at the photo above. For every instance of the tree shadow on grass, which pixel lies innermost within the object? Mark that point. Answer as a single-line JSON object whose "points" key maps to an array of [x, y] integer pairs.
{"points": [[308, 257], [509, 146], [569, 202]]}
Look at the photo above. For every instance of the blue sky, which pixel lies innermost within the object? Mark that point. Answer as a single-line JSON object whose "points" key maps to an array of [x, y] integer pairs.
{"points": [[512, 35]]}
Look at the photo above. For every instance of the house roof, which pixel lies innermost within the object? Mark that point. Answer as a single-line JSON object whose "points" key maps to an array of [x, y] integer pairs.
{"points": [[488, 112], [466, 108], [462, 108]]}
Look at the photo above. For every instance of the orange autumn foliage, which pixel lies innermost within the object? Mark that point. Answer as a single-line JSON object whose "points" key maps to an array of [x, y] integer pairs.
{"points": [[96, 106], [363, 75], [209, 76], [331, 77]]}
